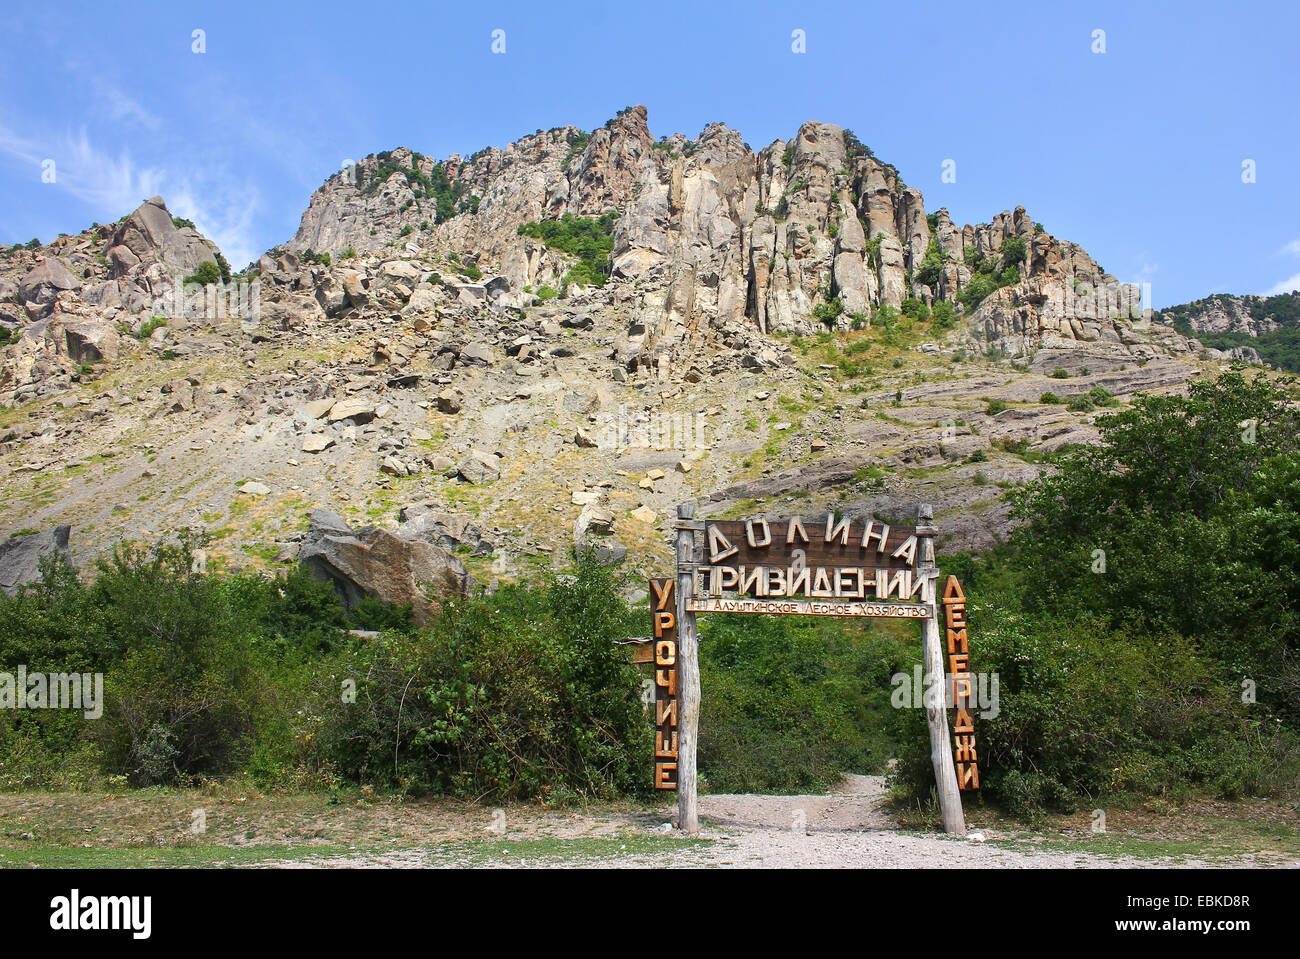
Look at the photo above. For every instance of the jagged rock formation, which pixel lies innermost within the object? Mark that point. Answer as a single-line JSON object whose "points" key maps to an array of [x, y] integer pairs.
{"points": [[1224, 313], [73, 298], [401, 362], [714, 241], [1248, 329]]}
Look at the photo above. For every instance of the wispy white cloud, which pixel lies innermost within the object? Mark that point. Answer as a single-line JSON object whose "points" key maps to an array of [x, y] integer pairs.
{"points": [[1285, 286], [1146, 271], [223, 211], [1291, 249], [122, 107], [111, 185]]}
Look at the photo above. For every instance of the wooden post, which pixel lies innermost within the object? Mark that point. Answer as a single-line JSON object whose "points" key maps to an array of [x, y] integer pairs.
{"points": [[688, 659], [936, 701]]}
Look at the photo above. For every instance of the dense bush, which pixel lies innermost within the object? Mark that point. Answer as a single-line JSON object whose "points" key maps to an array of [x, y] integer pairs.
{"points": [[1145, 619], [590, 239], [788, 704], [513, 696], [207, 273], [1087, 711], [1192, 500], [829, 311], [517, 695]]}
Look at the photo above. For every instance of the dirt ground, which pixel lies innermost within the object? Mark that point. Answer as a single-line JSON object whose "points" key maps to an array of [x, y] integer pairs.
{"points": [[851, 827]]}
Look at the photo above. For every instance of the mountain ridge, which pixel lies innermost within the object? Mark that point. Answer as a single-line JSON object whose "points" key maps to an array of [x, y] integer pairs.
{"points": [[426, 346]]}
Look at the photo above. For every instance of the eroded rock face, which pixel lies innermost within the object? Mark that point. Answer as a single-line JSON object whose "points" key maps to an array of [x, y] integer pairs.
{"points": [[431, 358], [713, 238], [375, 562], [1223, 313], [20, 556], [154, 240]]}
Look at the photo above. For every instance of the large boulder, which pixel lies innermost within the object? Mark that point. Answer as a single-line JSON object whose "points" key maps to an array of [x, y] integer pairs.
{"points": [[45, 281], [375, 562], [151, 236], [89, 341], [479, 466], [20, 556], [447, 530]]}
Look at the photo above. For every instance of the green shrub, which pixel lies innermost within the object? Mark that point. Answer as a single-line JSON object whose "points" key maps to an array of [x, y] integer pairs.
{"points": [[1088, 713], [931, 269], [829, 311], [943, 316], [1102, 396], [1198, 527], [207, 273], [1013, 251], [149, 326], [1049, 398], [916, 309], [591, 240], [518, 695]]}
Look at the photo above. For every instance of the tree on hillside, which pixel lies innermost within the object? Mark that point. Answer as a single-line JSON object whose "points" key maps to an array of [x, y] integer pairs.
{"points": [[1186, 517]]}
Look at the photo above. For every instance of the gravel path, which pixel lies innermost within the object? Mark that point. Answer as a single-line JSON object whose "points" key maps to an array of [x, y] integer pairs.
{"points": [[848, 828]]}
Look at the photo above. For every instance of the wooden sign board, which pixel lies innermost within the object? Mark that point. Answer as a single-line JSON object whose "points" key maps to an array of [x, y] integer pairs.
{"points": [[958, 668], [667, 701], [857, 564], [824, 566], [742, 604]]}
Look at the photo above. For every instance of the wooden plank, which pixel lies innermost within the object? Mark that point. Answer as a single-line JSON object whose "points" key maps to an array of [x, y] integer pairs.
{"points": [[662, 648], [640, 649], [799, 607], [688, 817], [759, 542], [956, 627]]}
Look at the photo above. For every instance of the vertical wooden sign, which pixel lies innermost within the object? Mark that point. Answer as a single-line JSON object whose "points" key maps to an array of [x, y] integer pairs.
{"points": [[965, 757], [663, 611], [936, 706]]}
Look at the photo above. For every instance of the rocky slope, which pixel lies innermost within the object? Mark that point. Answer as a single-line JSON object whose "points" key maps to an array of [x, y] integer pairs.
{"points": [[1224, 313], [1252, 329], [765, 340]]}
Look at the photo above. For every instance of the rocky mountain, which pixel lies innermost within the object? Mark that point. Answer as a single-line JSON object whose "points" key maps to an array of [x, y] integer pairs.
{"points": [[1252, 329], [717, 239], [456, 370], [1224, 313]]}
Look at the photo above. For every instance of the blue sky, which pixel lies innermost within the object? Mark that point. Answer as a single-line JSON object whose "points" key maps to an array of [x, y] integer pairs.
{"points": [[1136, 153]]}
